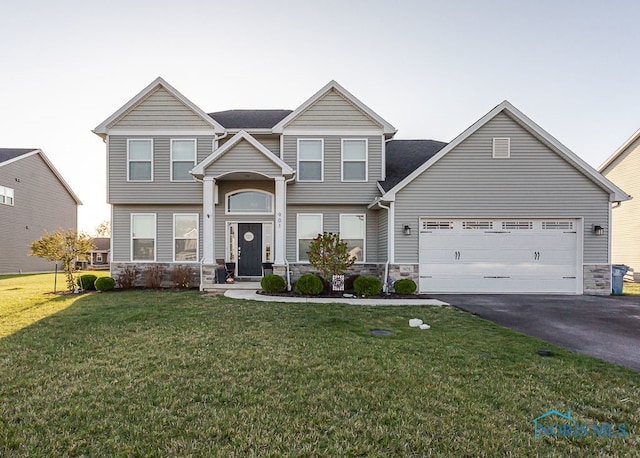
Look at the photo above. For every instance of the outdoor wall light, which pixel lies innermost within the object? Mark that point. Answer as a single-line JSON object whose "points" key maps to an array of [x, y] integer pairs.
{"points": [[407, 229], [598, 230]]}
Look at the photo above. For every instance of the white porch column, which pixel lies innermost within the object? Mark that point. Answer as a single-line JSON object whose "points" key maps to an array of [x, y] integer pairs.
{"points": [[208, 220], [279, 241]]}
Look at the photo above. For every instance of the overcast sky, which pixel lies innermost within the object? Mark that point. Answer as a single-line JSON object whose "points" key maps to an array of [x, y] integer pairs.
{"points": [[430, 68]]}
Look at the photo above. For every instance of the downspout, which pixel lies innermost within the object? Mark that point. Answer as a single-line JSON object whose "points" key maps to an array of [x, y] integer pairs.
{"points": [[286, 263], [385, 285]]}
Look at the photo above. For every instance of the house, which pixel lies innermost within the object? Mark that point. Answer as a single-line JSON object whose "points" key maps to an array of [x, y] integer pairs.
{"points": [[622, 168], [99, 256], [503, 208], [34, 198]]}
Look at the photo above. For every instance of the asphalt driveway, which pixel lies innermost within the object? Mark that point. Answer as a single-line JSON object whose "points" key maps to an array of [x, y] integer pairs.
{"points": [[604, 327]]}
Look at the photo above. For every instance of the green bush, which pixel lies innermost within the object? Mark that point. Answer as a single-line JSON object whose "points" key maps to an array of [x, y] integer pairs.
{"points": [[367, 286], [273, 284], [309, 284], [105, 284], [405, 286], [87, 282]]}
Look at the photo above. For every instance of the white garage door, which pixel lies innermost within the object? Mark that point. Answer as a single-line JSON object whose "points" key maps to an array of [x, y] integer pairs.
{"points": [[498, 256]]}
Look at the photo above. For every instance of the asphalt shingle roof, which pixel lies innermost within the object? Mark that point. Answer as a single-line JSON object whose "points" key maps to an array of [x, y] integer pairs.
{"points": [[249, 119], [405, 156], [6, 154]]}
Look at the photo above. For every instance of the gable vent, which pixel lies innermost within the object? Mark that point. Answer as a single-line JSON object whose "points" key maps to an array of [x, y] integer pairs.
{"points": [[501, 148]]}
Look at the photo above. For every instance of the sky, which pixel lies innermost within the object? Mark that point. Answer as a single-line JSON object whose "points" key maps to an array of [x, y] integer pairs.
{"points": [[430, 68]]}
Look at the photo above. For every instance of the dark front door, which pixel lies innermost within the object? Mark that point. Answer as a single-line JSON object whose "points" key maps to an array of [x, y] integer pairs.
{"points": [[249, 249]]}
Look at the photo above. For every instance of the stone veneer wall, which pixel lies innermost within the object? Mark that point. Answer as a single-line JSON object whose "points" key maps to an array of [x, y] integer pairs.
{"points": [[597, 279], [118, 267]]}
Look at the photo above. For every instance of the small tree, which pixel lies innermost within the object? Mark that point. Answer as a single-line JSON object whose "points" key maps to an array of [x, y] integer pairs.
{"points": [[63, 246], [330, 255], [104, 229]]}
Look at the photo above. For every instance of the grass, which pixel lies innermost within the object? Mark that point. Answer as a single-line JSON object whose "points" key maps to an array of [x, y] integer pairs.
{"points": [[181, 374]]}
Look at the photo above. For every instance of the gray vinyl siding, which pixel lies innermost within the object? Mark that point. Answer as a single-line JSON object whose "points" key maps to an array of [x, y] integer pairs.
{"points": [[225, 187], [160, 110], [121, 229], [161, 190], [243, 156], [332, 111], [383, 229], [533, 183], [625, 230], [331, 223], [332, 190], [41, 204]]}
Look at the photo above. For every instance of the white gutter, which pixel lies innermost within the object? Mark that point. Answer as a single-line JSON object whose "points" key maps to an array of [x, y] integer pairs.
{"points": [[286, 263], [385, 285]]}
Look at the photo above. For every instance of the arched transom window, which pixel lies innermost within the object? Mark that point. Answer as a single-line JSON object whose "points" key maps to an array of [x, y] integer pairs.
{"points": [[249, 201]]}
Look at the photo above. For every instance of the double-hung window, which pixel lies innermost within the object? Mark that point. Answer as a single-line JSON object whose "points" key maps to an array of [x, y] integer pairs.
{"points": [[353, 231], [185, 237], [354, 159], [140, 159], [6, 195], [310, 159], [143, 236], [308, 228], [183, 159]]}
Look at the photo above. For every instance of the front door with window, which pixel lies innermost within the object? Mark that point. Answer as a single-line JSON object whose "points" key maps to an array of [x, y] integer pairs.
{"points": [[249, 249]]}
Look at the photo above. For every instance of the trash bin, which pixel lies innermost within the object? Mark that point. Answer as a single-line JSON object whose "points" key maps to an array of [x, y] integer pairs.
{"points": [[618, 271], [221, 274], [267, 268]]}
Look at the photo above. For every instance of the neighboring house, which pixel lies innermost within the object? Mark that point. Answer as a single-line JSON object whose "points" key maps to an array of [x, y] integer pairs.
{"points": [[502, 208], [34, 198], [623, 168], [99, 256]]}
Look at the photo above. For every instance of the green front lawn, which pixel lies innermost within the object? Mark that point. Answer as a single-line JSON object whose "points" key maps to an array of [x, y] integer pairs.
{"points": [[182, 374]]}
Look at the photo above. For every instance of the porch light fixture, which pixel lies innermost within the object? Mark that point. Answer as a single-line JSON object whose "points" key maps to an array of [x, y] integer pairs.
{"points": [[598, 230], [406, 230]]}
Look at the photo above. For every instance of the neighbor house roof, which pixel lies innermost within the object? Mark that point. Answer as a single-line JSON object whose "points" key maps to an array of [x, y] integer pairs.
{"points": [[611, 159], [404, 156], [615, 193], [249, 119], [10, 155], [101, 243]]}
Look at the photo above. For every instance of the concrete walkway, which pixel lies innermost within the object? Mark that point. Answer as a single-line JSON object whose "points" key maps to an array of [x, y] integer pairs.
{"points": [[253, 296]]}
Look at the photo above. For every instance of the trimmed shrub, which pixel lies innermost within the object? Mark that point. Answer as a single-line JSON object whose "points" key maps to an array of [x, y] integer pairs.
{"points": [[127, 278], [405, 286], [153, 276], [273, 284], [309, 284], [367, 286], [182, 277], [105, 284], [348, 282], [87, 282]]}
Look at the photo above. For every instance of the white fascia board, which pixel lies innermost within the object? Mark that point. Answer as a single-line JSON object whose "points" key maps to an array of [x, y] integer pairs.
{"points": [[619, 151], [260, 131], [103, 127], [22, 156], [386, 127], [616, 194], [199, 169]]}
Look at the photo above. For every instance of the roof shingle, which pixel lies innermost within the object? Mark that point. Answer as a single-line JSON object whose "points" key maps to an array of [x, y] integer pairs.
{"points": [[249, 119], [405, 156], [6, 154]]}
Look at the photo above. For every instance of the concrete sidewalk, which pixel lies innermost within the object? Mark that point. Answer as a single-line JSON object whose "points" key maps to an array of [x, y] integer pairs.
{"points": [[253, 296]]}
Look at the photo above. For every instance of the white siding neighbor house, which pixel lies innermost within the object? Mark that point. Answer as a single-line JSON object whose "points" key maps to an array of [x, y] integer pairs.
{"points": [[503, 208]]}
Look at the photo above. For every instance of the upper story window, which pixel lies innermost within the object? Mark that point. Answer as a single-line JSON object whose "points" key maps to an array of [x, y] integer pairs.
{"points": [[249, 201], [140, 160], [143, 236], [6, 195], [354, 160], [310, 159], [353, 230], [183, 159]]}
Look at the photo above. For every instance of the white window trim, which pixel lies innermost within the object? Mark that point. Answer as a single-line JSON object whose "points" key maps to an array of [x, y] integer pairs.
{"points": [[366, 160], [129, 161], [298, 215], [195, 158], [4, 191], [266, 239], [197, 215], [364, 238], [98, 257], [321, 140], [235, 191], [155, 237]]}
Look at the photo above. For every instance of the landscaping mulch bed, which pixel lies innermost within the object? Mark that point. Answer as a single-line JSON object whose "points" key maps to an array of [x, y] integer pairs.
{"points": [[351, 295]]}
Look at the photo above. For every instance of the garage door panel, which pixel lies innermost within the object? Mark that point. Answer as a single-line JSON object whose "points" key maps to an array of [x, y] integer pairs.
{"points": [[514, 256]]}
